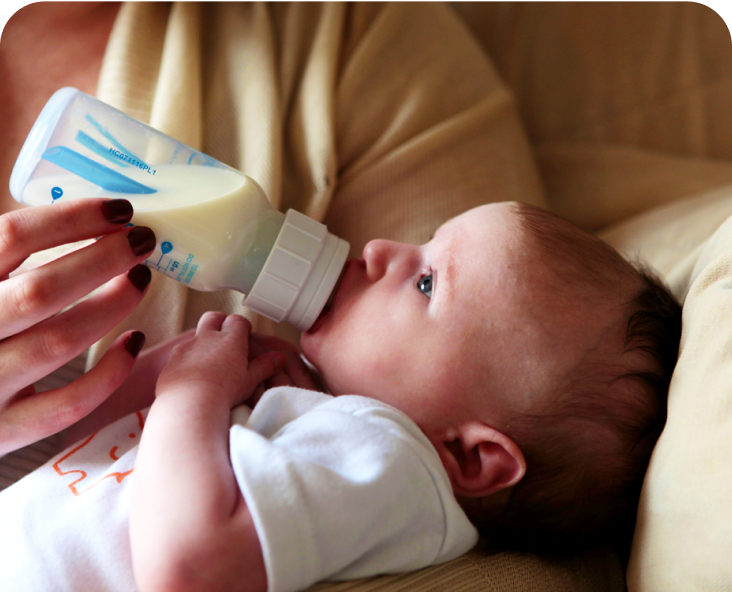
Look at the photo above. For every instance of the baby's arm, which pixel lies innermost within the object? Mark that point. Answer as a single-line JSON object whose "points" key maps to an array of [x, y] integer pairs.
{"points": [[190, 527]]}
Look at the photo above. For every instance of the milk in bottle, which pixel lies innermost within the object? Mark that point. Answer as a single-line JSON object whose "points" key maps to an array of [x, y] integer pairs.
{"points": [[214, 226]]}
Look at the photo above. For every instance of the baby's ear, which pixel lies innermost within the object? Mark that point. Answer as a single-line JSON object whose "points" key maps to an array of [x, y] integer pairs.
{"points": [[481, 460]]}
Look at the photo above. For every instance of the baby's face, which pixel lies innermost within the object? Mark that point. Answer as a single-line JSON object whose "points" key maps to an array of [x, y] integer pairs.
{"points": [[467, 323]]}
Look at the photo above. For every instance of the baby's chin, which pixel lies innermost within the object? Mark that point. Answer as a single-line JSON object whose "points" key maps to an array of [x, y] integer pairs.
{"points": [[310, 348], [317, 375], [305, 341], [317, 334]]}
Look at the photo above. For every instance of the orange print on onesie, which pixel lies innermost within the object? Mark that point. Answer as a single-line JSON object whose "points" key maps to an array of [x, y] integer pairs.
{"points": [[103, 456]]}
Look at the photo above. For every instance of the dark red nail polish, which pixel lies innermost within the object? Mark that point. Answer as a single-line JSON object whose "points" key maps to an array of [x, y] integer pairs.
{"points": [[118, 211], [140, 277], [142, 240], [134, 343]]}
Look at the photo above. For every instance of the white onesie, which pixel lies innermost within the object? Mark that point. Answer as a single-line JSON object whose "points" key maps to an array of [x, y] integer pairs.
{"points": [[339, 488]]}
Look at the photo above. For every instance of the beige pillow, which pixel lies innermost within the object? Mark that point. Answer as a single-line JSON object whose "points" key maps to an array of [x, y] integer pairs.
{"points": [[683, 537], [671, 237]]}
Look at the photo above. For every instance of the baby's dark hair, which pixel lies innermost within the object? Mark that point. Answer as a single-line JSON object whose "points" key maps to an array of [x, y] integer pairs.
{"points": [[588, 450]]}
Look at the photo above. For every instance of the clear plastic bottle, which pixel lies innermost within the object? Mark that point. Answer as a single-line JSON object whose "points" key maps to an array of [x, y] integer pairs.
{"points": [[215, 227]]}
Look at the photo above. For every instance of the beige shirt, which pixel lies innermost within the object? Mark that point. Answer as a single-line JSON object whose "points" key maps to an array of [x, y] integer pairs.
{"points": [[378, 120]]}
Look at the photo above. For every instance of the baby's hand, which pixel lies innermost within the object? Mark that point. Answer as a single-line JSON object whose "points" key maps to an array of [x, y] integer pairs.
{"points": [[215, 363], [294, 373]]}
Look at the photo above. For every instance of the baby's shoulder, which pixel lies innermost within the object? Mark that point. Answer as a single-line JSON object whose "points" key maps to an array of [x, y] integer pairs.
{"points": [[296, 413], [381, 418], [290, 400]]}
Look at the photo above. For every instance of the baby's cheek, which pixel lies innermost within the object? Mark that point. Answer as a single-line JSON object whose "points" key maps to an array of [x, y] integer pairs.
{"points": [[384, 368]]}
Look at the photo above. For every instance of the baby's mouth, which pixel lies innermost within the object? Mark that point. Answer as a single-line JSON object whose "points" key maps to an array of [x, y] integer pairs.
{"points": [[329, 304]]}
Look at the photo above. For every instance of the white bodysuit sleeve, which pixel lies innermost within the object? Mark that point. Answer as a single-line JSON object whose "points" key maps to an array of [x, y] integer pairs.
{"points": [[343, 488]]}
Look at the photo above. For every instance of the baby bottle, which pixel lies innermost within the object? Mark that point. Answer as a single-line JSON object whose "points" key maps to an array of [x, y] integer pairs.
{"points": [[215, 228]]}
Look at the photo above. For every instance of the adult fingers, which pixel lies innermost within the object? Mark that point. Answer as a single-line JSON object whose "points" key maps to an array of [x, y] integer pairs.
{"points": [[34, 353], [29, 230], [30, 418], [31, 297]]}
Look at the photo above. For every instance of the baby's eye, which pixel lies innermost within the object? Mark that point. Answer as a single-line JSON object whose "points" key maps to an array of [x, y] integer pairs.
{"points": [[425, 285]]}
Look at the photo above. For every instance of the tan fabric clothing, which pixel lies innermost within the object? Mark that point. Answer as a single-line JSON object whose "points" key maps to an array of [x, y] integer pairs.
{"points": [[379, 120]]}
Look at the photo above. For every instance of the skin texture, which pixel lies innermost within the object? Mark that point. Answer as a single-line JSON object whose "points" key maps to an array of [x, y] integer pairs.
{"points": [[190, 527], [36, 339], [498, 334], [386, 337], [44, 47], [474, 345]]}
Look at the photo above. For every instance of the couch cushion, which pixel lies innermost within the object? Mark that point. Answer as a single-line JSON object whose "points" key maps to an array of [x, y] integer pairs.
{"points": [[671, 237], [596, 569], [683, 536]]}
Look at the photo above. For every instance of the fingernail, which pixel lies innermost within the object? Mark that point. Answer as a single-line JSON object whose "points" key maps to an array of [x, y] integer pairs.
{"points": [[118, 211], [134, 343], [142, 240], [140, 277]]}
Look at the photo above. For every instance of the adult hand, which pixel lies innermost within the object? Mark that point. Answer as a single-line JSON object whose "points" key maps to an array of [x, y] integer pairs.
{"points": [[134, 394], [37, 335]]}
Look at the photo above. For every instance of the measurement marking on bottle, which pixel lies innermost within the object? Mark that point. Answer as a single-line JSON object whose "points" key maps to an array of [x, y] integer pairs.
{"points": [[166, 248]]}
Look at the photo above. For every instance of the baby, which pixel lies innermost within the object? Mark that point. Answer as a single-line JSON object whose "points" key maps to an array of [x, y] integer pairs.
{"points": [[509, 375]]}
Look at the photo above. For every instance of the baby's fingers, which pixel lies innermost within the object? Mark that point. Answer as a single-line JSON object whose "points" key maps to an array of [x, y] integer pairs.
{"points": [[210, 321], [237, 325], [30, 418], [280, 379], [295, 368], [261, 369]]}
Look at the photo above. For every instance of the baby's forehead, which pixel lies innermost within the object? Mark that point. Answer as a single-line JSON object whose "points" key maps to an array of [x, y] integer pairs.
{"points": [[500, 231], [527, 255], [548, 291]]}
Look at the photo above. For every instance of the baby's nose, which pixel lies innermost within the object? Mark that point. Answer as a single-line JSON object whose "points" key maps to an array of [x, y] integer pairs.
{"points": [[377, 254]]}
